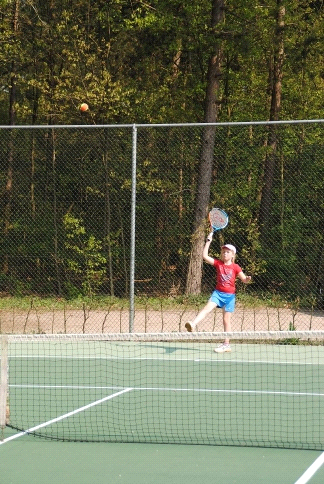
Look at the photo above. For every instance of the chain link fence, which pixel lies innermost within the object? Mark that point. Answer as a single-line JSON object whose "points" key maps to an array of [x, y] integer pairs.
{"points": [[97, 225]]}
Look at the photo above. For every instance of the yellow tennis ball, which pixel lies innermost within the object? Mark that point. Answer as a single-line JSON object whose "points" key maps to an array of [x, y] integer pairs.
{"points": [[84, 107]]}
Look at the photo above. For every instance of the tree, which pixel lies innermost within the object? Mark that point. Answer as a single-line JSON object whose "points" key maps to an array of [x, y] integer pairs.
{"points": [[275, 85], [207, 153], [7, 195]]}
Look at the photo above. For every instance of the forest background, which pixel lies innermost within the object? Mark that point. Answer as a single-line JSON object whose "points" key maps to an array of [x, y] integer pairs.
{"points": [[64, 225]]}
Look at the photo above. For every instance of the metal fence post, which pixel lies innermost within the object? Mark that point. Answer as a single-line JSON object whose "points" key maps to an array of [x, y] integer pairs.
{"points": [[133, 216], [4, 380]]}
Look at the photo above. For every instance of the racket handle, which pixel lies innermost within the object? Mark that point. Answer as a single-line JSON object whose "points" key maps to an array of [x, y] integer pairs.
{"points": [[210, 237]]}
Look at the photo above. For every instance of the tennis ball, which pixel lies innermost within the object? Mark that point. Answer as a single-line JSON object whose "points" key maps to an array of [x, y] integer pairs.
{"points": [[84, 107]]}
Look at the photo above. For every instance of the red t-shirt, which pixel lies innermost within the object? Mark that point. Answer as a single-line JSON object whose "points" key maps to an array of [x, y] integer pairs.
{"points": [[225, 276]]}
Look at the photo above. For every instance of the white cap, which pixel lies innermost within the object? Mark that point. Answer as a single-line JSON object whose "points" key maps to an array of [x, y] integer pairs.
{"points": [[230, 247]]}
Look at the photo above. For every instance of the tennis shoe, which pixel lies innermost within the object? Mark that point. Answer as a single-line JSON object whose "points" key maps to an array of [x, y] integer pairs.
{"points": [[223, 348], [189, 327]]}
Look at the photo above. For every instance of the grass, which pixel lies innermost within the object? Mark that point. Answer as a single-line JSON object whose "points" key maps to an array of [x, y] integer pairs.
{"points": [[248, 300]]}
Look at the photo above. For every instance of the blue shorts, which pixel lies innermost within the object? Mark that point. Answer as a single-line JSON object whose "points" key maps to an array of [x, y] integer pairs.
{"points": [[223, 300]]}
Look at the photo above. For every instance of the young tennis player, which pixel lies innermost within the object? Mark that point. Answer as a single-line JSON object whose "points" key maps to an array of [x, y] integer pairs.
{"points": [[224, 294]]}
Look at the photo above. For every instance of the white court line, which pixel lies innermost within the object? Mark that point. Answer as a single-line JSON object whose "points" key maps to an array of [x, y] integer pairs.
{"points": [[62, 417], [308, 474], [165, 359], [176, 389]]}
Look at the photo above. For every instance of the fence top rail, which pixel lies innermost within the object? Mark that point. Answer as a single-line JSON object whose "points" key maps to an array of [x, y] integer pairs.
{"points": [[161, 125]]}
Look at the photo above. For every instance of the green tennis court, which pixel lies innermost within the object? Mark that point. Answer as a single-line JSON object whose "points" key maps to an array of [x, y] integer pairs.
{"points": [[175, 391], [260, 406], [36, 461]]}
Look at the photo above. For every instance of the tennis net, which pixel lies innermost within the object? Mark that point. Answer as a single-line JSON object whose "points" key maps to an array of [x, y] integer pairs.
{"points": [[166, 388]]}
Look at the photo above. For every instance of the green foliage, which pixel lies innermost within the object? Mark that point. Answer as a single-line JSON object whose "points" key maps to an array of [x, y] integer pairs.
{"points": [[88, 262], [14, 286], [147, 63]]}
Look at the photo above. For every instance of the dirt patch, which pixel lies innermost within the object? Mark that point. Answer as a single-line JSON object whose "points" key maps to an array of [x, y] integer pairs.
{"points": [[149, 321]]}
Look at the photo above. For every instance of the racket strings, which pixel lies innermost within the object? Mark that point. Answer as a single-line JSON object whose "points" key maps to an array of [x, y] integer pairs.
{"points": [[218, 219]]}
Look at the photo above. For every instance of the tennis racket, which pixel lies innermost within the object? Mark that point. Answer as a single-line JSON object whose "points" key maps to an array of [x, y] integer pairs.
{"points": [[218, 219]]}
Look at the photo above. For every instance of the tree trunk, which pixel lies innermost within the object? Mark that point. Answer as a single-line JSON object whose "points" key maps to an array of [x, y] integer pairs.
{"points": [[12, 117], [276, 72], [194, 275], [107, 219], [55, 211]]}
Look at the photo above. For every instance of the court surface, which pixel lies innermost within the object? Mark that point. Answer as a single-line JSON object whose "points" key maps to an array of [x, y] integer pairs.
{"points": [[156, 393], [31, 461]]}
